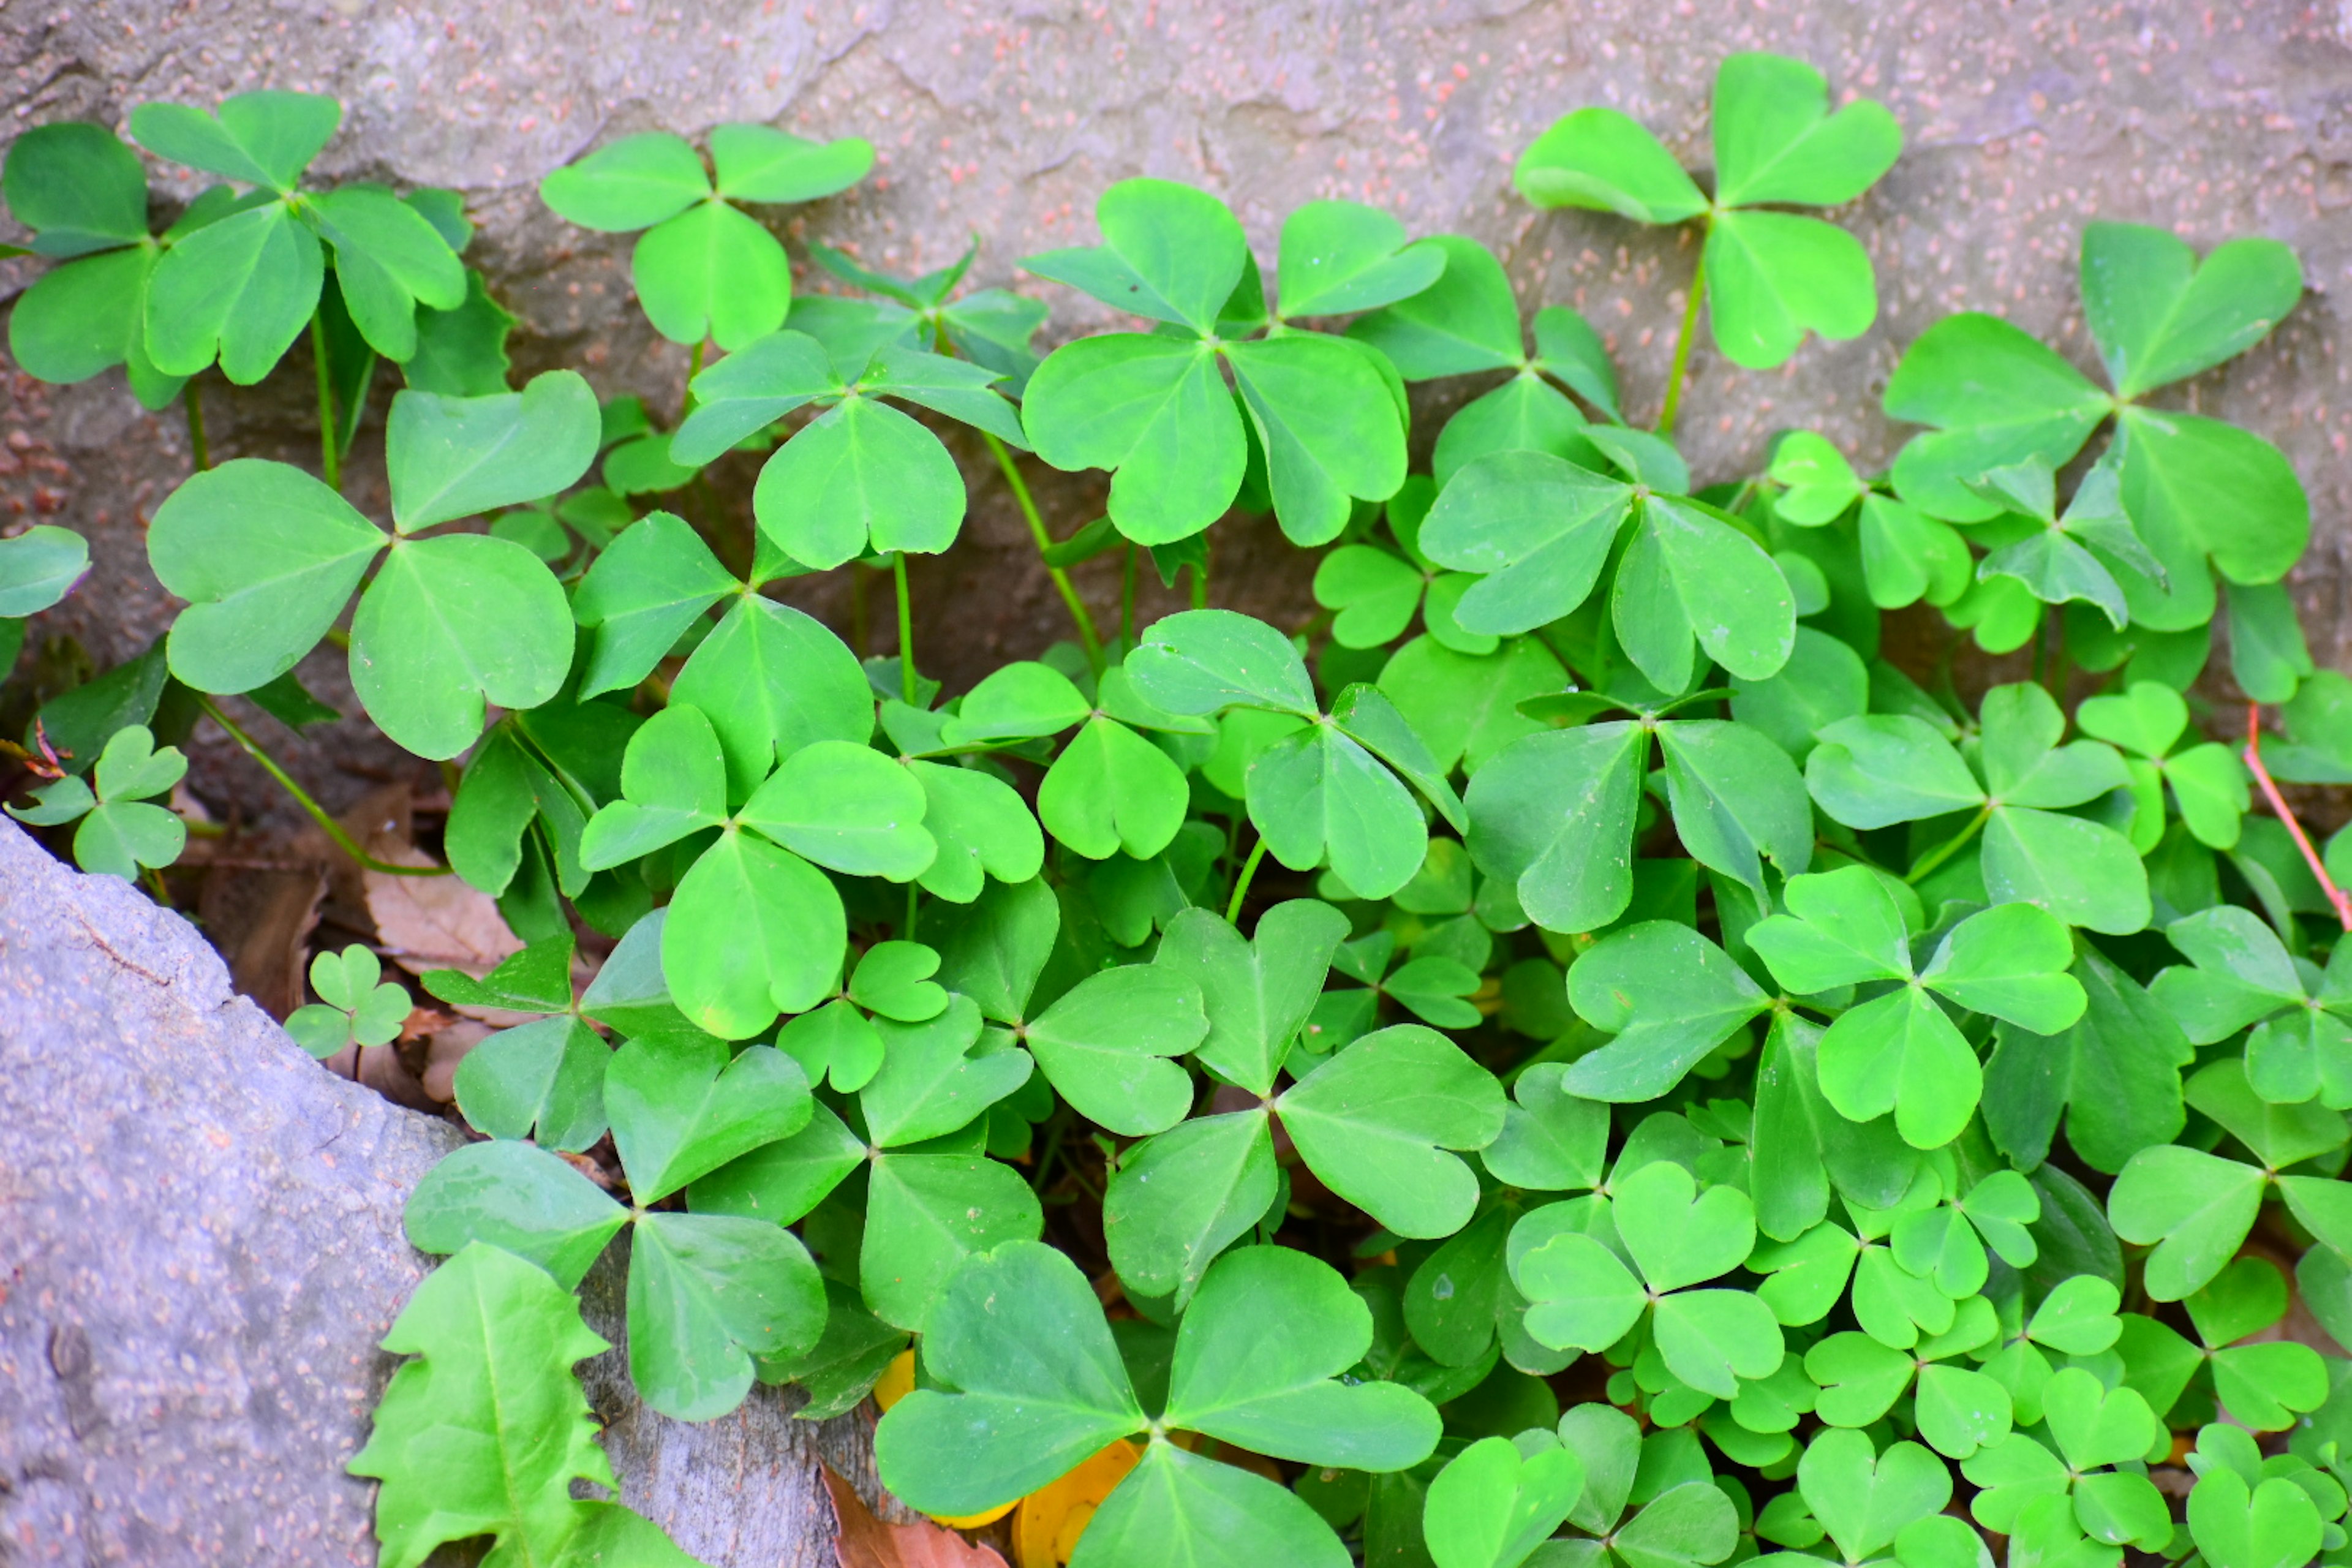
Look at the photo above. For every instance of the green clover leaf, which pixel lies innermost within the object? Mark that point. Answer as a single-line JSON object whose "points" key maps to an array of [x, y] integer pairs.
{"points": [[352, 1009], [1155, 409], [704, 268], [1772, 277]]}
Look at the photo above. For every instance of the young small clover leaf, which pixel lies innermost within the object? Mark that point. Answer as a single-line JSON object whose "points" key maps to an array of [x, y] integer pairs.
{"points": [[545, 1079], [1555, 813], [1154, 408], [1432, 987], [485, 1432], [2239, 976], [120, 832], [2086, 1429], [704, 268], [2262, 1386], [1032, 1384], [1500, 1499], [84, 195], [839, 804], [2062, 557], [991, 327], [707, 1292], [862, 478], [1901, 1051], [1996, 397], [1885, 768], [268, 557], [242, 287], [352, 1008], [1770, 276], [2209, 783], [1681, 1522], [2195, 1208], [1956, 1410], [1328, 792], [1582, 1296], [1537, 529]]}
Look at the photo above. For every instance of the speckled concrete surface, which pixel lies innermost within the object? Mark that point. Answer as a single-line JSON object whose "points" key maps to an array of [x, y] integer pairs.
{"points": [[199, 1247], [1001, 119]]}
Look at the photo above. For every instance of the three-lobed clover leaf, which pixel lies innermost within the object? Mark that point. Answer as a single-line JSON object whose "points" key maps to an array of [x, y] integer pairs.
{"points": [[1900, 1051], [1770, 276], [989, 326], [2194, 1208], [1032, 1382], [1155, 408], [1884, 768], [708, 1292], [356, 1006], [1333, 790], [704, 268], [241, 285], [268, 556], [1583, 1295], [119, 831], [2089, 1433], [2207, 781], [1995, 399], [2240, 977], [862, 478], [544, 1079]]}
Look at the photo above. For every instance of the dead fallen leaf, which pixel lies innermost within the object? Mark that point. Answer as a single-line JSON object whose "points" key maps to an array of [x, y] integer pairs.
{"points": [[446, 1049], [381, 1069], [861, 1541], [1046, 1529], [434, 922]]}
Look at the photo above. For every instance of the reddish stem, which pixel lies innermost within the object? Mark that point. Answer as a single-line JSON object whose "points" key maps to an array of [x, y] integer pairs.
{"points": [[2253, 756]]}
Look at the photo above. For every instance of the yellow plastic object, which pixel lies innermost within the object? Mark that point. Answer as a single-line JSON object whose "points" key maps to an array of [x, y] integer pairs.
{"points": [[897, 1382], [1046, 1531]]}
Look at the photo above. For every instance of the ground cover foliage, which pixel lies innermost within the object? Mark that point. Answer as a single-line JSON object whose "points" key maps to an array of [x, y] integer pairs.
{"points": [[1683, 1089]]}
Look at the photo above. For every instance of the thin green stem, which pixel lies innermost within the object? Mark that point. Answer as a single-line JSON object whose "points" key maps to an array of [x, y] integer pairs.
{"points": [[1127, 603], [1054, 1131], [1062, 584], [911, 909], [333, 829], [1242, 883], [1201, 578], [906, 630], [331, 461], [1683, 342], [198, 447], [1949, 847]]}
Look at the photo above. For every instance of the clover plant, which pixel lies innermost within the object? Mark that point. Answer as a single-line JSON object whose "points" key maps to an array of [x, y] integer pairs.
{"points": [[1572, 1056]]}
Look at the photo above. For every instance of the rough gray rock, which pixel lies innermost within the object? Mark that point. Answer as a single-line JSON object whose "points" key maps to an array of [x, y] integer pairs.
{"points": [[1002, 119], [200, 1245]]}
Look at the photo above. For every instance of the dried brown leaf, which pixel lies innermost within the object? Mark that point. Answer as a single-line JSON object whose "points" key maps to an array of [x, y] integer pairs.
{"points": [[861, 1541]]}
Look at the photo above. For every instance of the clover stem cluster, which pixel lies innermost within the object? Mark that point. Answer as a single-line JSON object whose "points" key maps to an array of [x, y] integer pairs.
{"points": [[1665, 1084]]}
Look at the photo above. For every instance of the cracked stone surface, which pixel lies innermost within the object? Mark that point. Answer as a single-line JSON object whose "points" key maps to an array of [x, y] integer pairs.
{"points": [[200, 1247], [998, 120]]}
